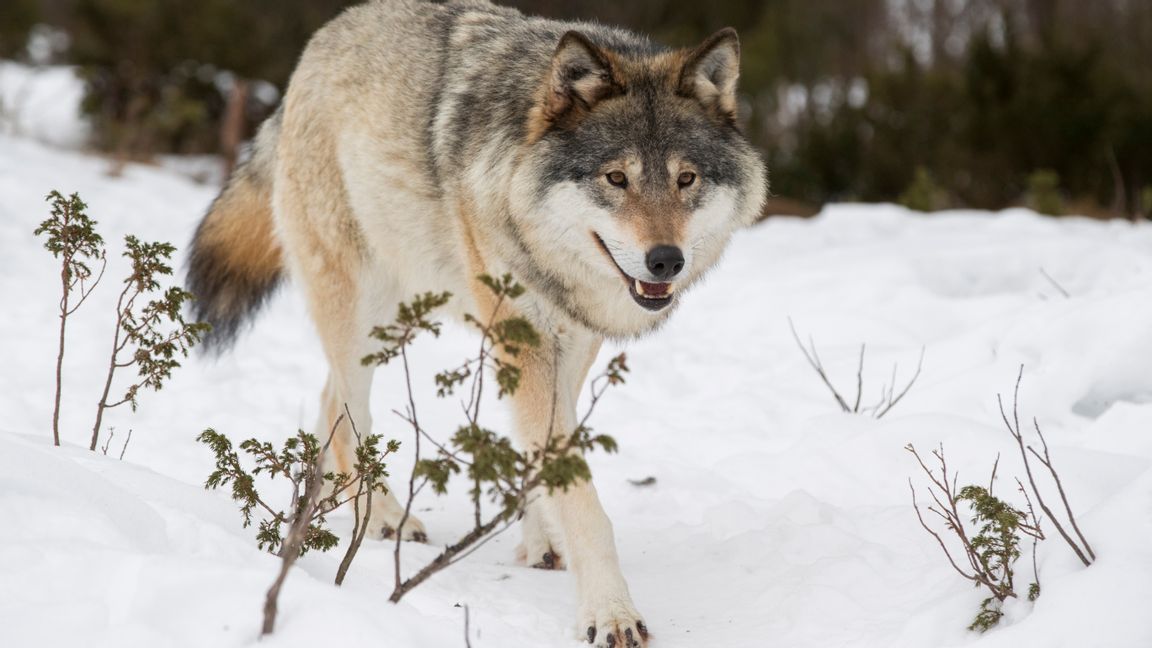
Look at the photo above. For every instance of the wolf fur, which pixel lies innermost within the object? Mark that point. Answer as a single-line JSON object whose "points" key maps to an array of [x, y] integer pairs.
{"points": [[421, 145]]}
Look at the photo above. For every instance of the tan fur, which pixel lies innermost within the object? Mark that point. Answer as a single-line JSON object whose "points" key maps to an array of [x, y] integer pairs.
{"points": [[239, 232]]}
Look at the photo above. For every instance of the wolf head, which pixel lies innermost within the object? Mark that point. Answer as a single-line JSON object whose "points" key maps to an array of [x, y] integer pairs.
{"points": [[635, 176]]}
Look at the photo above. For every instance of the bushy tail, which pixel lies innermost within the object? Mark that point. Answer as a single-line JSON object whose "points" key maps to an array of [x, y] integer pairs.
{"points": [[235, 262]]}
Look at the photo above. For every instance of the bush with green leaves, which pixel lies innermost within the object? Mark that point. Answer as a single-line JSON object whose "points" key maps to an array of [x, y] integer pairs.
{"points": [[72, 238], [999, 526], [923, 194], [499, 472], [296, 462], [315, 494], [991, 546], [150, 337], [1044, 192]]}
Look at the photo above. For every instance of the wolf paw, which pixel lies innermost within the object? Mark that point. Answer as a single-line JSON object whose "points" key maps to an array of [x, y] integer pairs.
{"points": [[548, 559], [538, 547], [615, 625], [413, 530]]}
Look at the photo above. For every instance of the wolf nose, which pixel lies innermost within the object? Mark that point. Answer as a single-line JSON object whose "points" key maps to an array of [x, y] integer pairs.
{"points": [[665, 261]]}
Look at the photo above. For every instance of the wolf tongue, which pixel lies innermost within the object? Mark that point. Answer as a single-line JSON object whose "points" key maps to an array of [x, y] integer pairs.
{"points": [[653, 289]]}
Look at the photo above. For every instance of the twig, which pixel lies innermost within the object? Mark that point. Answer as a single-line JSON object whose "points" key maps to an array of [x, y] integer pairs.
{"points": [[108, 442], [888, 396], [447, 556], [1055, 285], [939, 540], [467, 630], [290, 549], [412, 475], [1035, 532], [814, 361], [911, 381], [1047, 461], [1014, 430], [359, 526], [124, 448], [859, 380]]}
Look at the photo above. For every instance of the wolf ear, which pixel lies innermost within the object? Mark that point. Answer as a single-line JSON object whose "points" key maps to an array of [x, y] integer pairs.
{"points": [[581, 75], [710, 72]]}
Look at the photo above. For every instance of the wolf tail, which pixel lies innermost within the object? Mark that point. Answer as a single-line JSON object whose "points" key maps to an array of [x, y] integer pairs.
{"points": [[235, 262]]}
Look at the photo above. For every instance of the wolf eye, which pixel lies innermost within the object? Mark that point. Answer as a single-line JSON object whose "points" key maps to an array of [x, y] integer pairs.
{"points": [[686, 179], [617, 179]]}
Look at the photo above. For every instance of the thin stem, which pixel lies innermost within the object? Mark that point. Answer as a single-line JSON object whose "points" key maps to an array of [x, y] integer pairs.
{"points": [[60, 350], [415, 463], [892, 401], [814, 361], [1014, 430], [360, 526], [102, 404], [859, 381], [1047, 461], [290, 549]]}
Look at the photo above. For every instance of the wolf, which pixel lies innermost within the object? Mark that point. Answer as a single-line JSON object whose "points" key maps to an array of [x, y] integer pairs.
{"points": [[419, 146]]}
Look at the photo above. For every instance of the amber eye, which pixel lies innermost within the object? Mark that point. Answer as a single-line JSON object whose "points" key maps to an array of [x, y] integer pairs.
{"points": [[617, 179], [686, 179]]}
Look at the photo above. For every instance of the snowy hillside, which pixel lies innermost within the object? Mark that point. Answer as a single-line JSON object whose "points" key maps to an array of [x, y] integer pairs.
{"points": [[774, 520]]}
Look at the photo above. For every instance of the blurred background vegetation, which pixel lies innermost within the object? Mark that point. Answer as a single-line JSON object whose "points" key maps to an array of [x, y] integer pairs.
{"points": [[931, 103]]}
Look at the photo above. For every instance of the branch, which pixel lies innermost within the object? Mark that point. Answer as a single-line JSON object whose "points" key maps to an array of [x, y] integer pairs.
{"points": [[1014, 430], [290, 549], [1055, 285], [814, 361], [892, 401], [360, 527], [1047, 461], [939, 540]]}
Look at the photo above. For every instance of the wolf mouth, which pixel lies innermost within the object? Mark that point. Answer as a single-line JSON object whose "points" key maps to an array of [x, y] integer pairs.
{"points": [[651, 296]]}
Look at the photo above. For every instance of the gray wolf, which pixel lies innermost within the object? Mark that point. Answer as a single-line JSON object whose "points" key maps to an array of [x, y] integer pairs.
{"points": [[421, 145]]}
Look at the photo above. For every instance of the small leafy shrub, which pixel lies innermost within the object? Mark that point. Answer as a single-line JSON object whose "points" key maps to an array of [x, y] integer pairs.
{"points": [[923, 194], [149, 336], [72, 238], [499, 473], [1044, 192], [297, 462], [992, 551], [991, 546]]}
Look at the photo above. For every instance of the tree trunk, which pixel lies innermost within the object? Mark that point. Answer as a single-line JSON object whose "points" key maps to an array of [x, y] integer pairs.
{"points": [[233, 127]]}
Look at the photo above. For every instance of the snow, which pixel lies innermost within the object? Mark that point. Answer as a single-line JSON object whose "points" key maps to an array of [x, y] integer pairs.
{"points": [[41, 102], [775, 519]]}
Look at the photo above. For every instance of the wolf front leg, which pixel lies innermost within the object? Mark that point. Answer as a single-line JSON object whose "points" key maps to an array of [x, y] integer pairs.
{"points": [[545, 403]]}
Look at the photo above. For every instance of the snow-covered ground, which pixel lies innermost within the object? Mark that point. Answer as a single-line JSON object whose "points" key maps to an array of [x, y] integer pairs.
{"points": [[775, 520]]}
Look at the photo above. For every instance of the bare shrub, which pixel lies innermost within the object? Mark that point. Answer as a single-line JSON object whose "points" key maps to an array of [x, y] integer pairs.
{"points": [[889, 397], [1079, 545]]}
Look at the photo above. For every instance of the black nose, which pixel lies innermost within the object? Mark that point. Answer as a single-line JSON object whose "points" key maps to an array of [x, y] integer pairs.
{"points": [[665, 261]]}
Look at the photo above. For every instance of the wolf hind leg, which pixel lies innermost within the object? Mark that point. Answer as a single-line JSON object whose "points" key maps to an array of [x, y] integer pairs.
{"points": [[346, 301], [387, 511]]}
